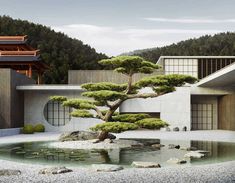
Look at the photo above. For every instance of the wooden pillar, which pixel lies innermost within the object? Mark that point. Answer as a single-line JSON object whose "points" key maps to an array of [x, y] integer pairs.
{"points": [[30, 71], [39, 78]]}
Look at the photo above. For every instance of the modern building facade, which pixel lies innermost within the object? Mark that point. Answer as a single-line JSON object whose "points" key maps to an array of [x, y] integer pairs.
{"points": [[206, 105]]}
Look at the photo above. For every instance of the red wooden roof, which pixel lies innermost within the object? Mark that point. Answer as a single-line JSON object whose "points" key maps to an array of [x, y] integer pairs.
{"points": [[13, 38]]}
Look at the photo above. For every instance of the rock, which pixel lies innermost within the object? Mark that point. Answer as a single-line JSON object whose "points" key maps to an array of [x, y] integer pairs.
{"points": [[176, 129], [191, 149], [8, 172], [168, 129], [184, 128], [94, 141], [157, 145], [176, 161], [78, 135], [193, 154], [111, 136], [55, 170], [108, 141], [172, 146], [138, 144], [143, 164], [202, 151], [106, 167], [177, 147], [81, 135]]}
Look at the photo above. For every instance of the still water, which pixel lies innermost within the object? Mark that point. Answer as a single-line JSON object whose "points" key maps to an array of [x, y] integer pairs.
{"points": [[41, 153]]}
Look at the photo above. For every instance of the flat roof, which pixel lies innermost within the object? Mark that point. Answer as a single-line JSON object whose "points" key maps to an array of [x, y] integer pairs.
{"points": [[48, 87], [224, 77], [195, 57]]}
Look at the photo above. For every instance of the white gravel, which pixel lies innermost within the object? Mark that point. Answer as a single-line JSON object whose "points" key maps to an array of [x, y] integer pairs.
{"points": [[87, 144], [222, 172]]}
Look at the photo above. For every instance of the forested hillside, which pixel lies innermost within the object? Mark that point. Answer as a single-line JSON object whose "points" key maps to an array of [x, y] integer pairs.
{"points": [[57, 49], [219, 44]]}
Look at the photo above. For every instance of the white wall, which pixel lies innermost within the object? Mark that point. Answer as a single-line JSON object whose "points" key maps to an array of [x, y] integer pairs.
{"points": [[35, 102], [174, 107]]}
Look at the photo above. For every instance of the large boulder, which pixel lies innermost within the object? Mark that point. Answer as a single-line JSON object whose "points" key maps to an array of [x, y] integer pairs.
{"points": [[8, 172], [55, 170], [106, 167], [143, 164], [81, 135]]}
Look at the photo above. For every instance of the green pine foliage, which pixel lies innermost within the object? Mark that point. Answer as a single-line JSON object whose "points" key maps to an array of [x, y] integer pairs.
{"points": [[104, 95], [130, 65], [151, 123], [79, 103], [104, 86], [58, 98], [81, 114], [218, 44], [130, 118], [59, 51], [114, 127]]}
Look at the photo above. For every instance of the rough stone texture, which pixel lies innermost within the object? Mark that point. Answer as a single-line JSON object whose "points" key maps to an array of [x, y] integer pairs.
{"points": [[106, 167], [78, 135], [142, 164], [81, 135], [173, 146], [55, 170], [157, 145], [184, 128], [193, 154], [9, 172], [176, 129], [176, 161]]}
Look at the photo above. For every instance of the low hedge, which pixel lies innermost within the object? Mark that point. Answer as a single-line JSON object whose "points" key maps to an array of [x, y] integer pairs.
{"points": [[39, 128], [28, 129]]}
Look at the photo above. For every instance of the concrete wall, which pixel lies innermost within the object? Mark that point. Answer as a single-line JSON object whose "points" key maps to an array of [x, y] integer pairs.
{"points": [[11, 100], [206, 99], [174, 107], [94, 76], [227, 112], [35, 102]]}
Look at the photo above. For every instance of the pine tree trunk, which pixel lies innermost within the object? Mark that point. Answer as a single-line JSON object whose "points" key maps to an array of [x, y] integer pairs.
{"points": [[103, 135]]}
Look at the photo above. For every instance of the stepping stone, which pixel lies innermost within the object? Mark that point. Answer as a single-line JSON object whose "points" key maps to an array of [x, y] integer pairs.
{"points": [[8, 172], [193, 154], [106, 167], [55, 170], [143, 164], [176, 161]]}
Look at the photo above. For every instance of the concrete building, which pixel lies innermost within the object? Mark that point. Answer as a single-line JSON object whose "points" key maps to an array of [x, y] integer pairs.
{"points": [[206, 105]]}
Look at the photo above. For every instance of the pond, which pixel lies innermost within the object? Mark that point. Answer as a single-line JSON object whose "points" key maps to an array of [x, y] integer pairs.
{"points": [[42, 153]]}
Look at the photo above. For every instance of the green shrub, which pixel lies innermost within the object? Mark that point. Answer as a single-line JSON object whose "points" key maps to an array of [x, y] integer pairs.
{"points": [[39, 128], [130, 118], [115, 127], [151, 123], [28, 129]]}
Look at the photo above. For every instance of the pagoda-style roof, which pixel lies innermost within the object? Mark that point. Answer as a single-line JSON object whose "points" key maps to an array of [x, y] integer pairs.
{"points": [[16, 54]]}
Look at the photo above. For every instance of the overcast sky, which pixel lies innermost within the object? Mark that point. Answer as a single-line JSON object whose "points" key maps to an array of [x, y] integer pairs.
{"points": [[117, 26]]}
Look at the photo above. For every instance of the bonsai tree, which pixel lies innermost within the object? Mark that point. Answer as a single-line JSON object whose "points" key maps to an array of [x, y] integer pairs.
{"points": [[112, 95]]}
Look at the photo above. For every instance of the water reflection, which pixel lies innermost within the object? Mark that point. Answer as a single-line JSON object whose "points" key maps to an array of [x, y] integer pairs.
{"points": [[39, 152]]}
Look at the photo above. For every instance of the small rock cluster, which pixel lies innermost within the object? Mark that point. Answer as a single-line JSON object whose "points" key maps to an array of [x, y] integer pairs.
{"points": [[55, 170], [8, 172]]}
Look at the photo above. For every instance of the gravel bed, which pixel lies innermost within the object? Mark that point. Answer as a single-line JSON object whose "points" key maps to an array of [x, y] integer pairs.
{"points": [[88, 144], [213, 173]]}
